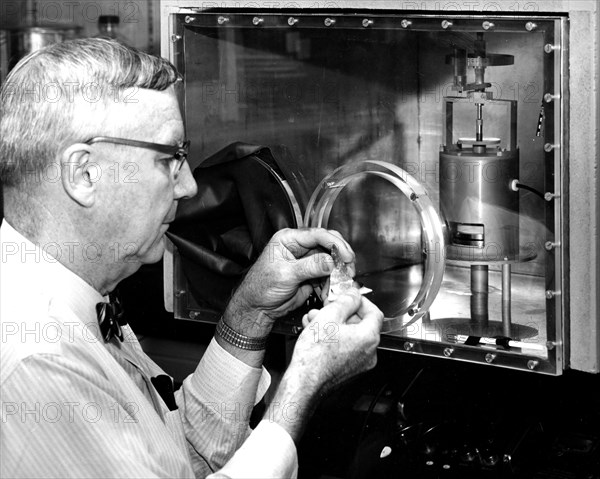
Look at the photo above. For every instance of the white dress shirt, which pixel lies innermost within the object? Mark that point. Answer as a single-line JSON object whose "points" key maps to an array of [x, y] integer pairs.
{"points": [[72, 405]]}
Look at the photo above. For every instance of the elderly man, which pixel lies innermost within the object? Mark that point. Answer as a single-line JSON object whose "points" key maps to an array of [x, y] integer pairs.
{"points": [[93, 164]]}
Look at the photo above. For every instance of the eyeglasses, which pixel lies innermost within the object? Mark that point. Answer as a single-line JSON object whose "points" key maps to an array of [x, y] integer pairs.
{"points": [[178, 153]]}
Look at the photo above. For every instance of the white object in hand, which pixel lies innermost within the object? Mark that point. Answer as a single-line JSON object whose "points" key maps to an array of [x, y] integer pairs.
{"points": [[340, 280]]}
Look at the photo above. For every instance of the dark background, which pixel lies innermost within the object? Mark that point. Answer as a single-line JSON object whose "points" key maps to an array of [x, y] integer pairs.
{"points": [[440, 418]]}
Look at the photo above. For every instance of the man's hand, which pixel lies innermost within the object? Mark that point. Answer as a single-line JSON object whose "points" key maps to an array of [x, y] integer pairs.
{"points": [[280, 280], [338, 342]]}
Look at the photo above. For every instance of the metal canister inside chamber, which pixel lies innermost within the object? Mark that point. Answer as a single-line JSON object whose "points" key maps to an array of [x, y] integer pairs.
{"points": [[478, 204]]}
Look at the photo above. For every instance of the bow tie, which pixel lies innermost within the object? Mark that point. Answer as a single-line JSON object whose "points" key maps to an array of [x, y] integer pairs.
{"points": [[110, 318]]}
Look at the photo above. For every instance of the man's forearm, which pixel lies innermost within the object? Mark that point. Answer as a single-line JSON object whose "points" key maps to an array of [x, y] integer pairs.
{"points": [[248, 322], [294, 402]]}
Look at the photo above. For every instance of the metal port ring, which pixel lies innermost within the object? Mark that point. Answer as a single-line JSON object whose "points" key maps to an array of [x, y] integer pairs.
{"points": [[433, 229]]}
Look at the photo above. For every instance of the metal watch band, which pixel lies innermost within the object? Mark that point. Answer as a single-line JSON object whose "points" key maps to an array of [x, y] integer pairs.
{"points": [[239, 340]]}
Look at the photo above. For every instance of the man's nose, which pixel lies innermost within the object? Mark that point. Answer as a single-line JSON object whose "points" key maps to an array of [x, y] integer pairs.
{"points": [[186, 186]]}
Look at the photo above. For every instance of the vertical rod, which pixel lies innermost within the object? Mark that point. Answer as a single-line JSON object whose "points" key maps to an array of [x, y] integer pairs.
{"points": [[479, 123], [506, 319], [479, 293]]}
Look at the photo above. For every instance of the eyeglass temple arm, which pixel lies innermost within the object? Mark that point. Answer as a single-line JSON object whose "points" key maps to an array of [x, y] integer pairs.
{"points": [[168, 149]]}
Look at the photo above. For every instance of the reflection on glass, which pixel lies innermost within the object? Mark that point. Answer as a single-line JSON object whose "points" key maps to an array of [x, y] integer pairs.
{"points": [[341, 96]]}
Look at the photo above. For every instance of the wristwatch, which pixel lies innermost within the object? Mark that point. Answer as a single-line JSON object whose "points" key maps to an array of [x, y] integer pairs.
{"points": [[239, 340]]}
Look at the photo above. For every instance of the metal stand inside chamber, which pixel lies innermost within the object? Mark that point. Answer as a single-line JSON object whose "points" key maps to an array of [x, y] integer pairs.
{"points": [[476, 198]]}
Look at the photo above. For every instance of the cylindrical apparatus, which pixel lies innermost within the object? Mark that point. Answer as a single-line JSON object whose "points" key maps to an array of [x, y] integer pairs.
{"points": [[476, 200]]}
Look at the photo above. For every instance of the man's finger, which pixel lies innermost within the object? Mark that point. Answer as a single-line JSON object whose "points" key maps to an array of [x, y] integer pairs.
{"points": [[371, 316], [314, 266], [345, 306], [367, 306], [300, 241], [308, 317]]}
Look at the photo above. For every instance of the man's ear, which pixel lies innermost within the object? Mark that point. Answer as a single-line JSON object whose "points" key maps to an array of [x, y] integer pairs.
{"points": [[79, 175]]}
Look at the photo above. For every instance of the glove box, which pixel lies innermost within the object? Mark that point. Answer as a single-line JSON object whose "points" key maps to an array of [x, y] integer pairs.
{"points": [[437, 144]]}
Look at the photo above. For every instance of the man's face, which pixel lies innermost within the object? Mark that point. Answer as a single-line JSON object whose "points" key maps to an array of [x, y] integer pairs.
{"points": [[138, 195]]}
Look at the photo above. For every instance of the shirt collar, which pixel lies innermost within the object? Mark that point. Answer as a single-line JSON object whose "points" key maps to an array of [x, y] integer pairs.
{"points": [[65, 288]]}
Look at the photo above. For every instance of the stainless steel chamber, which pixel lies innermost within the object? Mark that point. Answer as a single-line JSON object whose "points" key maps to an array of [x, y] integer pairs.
{"points": [[436, 143]]}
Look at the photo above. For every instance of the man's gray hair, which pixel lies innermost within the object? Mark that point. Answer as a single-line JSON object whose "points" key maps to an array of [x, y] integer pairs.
{"points": [[48, 100]]}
